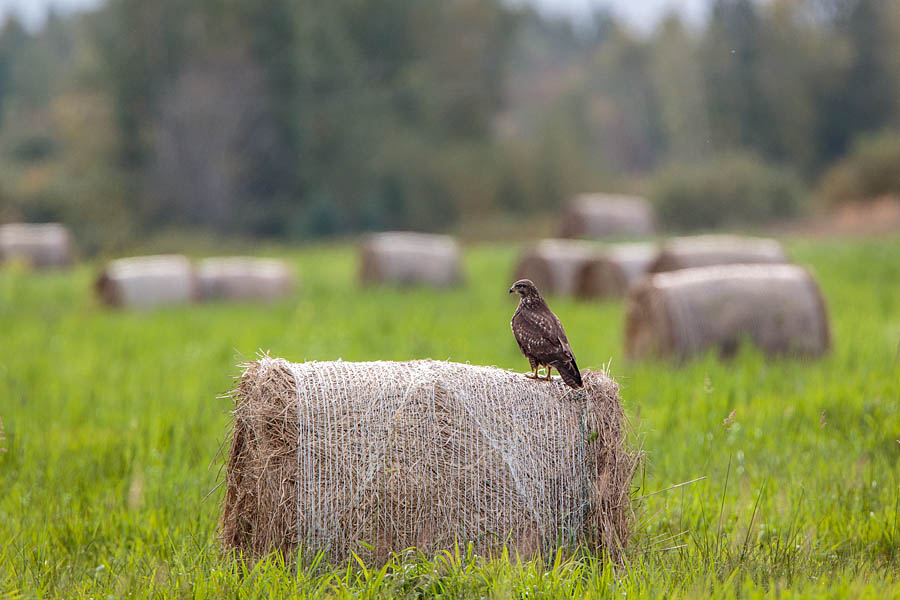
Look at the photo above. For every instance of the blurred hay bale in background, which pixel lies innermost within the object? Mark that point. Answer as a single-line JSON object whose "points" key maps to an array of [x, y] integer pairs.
{"points": [[607, 215], [405, 258], [243, 278], [683, 313], [553, 265], [708, 250], [147, 281], [376, 457], [610, 274], [40, 245]]}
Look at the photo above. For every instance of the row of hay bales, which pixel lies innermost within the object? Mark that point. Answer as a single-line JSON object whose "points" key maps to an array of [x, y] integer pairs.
{"points": [[692, 294], [418, 258], [688, 295], [38, 245], [172, 279], [589, 270], [577, 268], [685, 296]]}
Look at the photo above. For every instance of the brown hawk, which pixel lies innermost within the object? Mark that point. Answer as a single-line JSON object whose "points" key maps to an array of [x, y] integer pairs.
{"points": [[541, 336]]}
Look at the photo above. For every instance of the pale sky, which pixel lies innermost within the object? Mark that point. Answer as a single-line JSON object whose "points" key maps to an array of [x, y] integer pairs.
{"points": [[640, 14], [32, 12]]}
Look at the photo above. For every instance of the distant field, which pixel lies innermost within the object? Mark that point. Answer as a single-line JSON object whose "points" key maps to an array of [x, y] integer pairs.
{"points": [[113, 425]]}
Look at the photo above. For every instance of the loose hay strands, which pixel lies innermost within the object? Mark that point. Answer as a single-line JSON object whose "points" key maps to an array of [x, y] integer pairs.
{"points": [[686, 312], [605, 215], [371, 458], [709, 250]]}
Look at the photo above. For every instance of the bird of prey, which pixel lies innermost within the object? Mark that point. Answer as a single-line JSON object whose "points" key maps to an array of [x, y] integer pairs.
{"points": [[541, 336]]}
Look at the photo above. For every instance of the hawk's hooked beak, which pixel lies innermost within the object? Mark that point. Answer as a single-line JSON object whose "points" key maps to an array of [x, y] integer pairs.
{"points": [[511, 290]]}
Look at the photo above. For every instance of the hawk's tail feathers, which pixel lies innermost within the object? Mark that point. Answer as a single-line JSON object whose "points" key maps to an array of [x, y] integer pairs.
{"points": [[570, 374]]}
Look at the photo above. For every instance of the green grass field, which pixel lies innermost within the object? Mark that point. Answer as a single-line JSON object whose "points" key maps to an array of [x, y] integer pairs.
{"points": [[112, 426]]}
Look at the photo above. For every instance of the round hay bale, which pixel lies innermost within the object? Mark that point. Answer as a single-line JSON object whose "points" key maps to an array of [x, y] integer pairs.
{"points": [[683, 313], [553, 265], [405, 258], [607, 215], [40, 245], [147, 281], [243, 278], [376, 457], [708, 250], [610, 274]]}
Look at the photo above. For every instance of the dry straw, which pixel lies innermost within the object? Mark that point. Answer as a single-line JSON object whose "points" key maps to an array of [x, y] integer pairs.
{"points": [[613, 272], [376, 457], [243, 278], [709, 250], [682, 313], [40, 245], [147, 281], [554, 265], [607, 215], [407, 258]]}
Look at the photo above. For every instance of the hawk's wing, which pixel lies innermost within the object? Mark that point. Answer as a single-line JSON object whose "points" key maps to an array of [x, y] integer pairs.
{"points": [[541, 335]]}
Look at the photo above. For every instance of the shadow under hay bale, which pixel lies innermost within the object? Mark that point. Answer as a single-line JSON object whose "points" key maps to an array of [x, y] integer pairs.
{"points": [[40, 245], [242, 278], [377, 457], [709, 250], [405, 258], [553, 265], [683, 313], [610, 274], [607, 215], [147, 281]]}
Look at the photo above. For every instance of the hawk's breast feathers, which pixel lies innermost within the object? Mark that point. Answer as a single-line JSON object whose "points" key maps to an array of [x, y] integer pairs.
{"points": [[540, 334]]}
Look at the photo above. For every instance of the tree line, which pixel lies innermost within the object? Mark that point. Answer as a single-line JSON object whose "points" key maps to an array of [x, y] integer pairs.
{"points": [[297, 118]]}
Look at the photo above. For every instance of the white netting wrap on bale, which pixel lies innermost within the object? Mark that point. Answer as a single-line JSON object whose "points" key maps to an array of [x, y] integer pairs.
{"points": [[406, 258], [147, 281], [376, 457], [610, 274], [40, 245], [683, 313], [243, 278], [607, 215], [554, 265], [709, 250]]}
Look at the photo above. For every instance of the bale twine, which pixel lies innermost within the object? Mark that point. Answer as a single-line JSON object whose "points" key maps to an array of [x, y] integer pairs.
{"points": [[708, 250], [377, 457], [40, 245], [405, 258], [243, 278], [147, 281], [682, 313], [610, 274], [553, 265], [606, 215]]}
